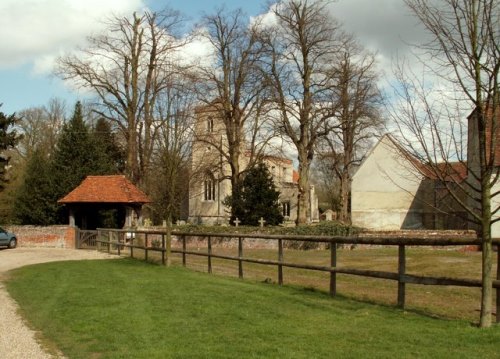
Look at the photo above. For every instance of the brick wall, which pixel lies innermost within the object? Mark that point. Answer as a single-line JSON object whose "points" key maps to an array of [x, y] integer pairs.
{"points": [[51, 236]]}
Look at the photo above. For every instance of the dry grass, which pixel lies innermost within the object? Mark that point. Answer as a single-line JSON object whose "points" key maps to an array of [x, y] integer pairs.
{"points": [[441, 301]]}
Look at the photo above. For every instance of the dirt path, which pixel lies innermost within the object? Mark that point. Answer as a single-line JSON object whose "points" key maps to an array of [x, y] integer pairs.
{"points": [[17, 341]]}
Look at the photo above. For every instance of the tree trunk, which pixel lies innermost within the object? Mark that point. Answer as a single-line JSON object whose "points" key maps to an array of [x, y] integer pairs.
{"points": [[487, 290], [345, 191], [303, 208], [132, 164]]}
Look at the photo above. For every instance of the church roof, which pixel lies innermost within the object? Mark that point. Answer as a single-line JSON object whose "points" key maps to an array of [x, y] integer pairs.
{"points": [[106, 189]]}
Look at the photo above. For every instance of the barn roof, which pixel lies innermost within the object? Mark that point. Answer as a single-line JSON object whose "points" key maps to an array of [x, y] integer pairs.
{"points": [[106, 189]]}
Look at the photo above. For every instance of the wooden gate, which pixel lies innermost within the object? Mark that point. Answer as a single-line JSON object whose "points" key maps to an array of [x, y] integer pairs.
{"points": [[86, 239]]}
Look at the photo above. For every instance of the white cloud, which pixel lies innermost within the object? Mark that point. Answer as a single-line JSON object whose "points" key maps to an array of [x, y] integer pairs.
{"points": [[198, 51], [37, 31]]}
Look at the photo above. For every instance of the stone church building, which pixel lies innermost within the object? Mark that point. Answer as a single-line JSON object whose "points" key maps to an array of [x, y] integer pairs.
{"points": [[210, 183]]}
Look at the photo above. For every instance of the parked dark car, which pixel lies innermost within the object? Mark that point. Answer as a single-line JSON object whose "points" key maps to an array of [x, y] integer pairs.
{"points": [[7, 239]]}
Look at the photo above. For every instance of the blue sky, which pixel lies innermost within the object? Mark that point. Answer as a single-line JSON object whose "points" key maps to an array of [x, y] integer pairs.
{"points": [[35, 32]]}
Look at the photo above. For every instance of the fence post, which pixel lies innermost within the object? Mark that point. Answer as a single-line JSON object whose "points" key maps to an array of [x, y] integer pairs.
{"points": [[183, 251], [131, 241], [163, 249], [109, 241], [209, 254], [77, 238], [498, 278], [333, 274], [280, 260], [118, 241], [169, 243], [401, 273], [240, 255], [145, 246]]}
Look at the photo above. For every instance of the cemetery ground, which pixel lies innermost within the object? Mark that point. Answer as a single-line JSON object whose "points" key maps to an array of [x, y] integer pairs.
{"points": [[132, 308]]}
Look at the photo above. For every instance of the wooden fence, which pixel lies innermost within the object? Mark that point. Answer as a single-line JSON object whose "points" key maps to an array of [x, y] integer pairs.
{"points": [[120, 239]]}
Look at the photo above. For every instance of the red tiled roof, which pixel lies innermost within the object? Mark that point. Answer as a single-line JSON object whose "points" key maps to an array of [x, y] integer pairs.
{"points": [[448, 171], [105, 189], [445, 171]]}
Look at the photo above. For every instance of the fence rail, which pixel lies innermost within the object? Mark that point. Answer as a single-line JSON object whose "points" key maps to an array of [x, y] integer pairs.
{"points": [[125, 239]]}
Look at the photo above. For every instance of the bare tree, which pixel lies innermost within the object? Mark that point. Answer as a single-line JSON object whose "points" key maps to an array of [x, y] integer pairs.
{"points": [[464, 53], [40, 127], [232, 89], [127, 67], [298, 50], [169, 188], [356, 101], [326, 180]]}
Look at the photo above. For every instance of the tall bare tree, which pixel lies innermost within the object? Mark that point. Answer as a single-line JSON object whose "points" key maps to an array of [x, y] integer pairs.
{"points": [[168, 188], [298, 50], [464, 54], [232, 87], [40, 127], [356, 102], [127, 67]]}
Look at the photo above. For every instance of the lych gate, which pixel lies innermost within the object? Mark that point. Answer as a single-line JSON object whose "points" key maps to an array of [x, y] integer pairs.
{"points": [[105, 202]]}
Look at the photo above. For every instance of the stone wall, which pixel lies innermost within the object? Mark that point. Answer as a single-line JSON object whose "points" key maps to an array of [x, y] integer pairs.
{"points": [[50, 236]]}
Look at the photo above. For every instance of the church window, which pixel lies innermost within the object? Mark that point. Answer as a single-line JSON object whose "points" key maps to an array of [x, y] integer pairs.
{"points": [[210, 124], [286, 209], [209, 187]]}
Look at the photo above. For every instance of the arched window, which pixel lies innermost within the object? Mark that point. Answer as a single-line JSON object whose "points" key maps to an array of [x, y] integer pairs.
{"points": [[209, 187], [285, 206], [210, 124]]}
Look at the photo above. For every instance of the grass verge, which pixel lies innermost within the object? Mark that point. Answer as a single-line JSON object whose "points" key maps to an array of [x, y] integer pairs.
{"points": [[131, 309], [449, 302]]}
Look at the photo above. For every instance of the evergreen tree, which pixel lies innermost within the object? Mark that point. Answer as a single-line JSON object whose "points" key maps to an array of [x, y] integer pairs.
{"points": [[75, 157], [77, 154], [257, 198], [8, 139], [35, 201], [110, 157]]}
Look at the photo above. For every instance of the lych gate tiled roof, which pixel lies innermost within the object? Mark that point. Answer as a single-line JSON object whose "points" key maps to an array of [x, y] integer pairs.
{"points": [[106, 189]]}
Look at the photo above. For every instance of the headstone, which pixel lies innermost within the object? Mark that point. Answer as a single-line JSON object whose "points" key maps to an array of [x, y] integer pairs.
{"points": [[261, 222], [237, 222]]}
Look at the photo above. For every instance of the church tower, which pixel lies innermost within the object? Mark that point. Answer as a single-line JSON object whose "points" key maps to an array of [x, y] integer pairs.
{"points": [[210, 181], [210, 184]]}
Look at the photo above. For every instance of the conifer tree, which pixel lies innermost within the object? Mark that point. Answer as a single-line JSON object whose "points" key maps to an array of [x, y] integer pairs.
{"points": [[78, 153], [110, 157], [258, 198], [8, 139], [35, 201], [74, 157]]}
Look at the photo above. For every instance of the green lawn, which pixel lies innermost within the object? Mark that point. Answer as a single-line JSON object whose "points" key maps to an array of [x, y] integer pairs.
{"points": [[131, 309]]}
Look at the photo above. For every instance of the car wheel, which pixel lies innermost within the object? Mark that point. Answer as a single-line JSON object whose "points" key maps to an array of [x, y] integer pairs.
{"points": [[13, 243]]}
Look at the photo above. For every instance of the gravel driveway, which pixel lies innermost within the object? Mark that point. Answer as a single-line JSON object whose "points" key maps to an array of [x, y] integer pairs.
{"points": [[17, 341]]}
